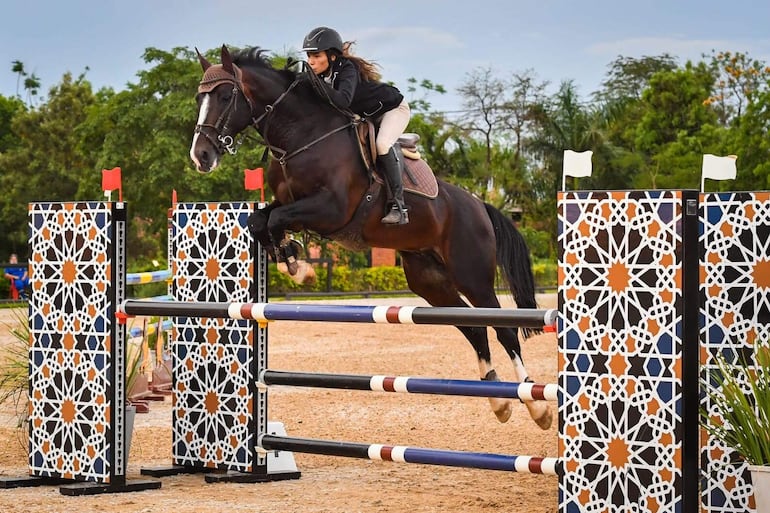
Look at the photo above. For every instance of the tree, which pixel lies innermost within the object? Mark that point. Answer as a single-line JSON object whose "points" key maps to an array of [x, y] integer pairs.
{"points": [[31, 82], [45, 164], [18, 68], [628, 77], [9, 108], [617, 110], [485, 117], [750, 142], [671, 129], [738, 79]]}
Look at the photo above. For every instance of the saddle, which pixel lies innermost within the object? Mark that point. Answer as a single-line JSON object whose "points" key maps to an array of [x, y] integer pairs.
{"points": [[416, 174]]}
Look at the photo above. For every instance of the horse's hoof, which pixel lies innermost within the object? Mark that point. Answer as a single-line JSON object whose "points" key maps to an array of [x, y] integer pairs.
{"points": [[292, 266], [540, 413]]}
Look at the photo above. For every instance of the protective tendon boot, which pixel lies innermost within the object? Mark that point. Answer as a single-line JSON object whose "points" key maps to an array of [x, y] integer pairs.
{"points": [[390, 168]]}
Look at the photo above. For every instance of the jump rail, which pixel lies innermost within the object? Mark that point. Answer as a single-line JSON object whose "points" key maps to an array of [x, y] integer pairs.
{"points": [[148, 277], [403, 454], [453, 316], [467, 388]]}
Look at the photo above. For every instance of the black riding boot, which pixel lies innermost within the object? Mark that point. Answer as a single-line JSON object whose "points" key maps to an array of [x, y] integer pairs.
{"points": [[391, 171]]}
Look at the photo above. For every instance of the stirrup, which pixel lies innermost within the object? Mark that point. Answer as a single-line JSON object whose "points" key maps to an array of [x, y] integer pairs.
{"points": [[396, 216]]}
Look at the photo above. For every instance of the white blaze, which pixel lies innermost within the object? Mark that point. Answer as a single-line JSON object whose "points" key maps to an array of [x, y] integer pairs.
{"points": [[202, 113]]}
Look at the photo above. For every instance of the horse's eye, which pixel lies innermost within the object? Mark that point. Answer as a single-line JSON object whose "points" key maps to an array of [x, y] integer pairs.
{"points": [[225, 98]]}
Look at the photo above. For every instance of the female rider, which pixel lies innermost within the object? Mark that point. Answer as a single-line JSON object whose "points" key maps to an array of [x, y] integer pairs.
{"points": [[355, 85]]}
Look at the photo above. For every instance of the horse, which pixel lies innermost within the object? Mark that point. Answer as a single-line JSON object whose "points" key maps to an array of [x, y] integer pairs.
{"points": [[452, 246]]}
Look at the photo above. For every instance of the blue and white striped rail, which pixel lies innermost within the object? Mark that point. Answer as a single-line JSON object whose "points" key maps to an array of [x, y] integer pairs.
{"points": [[148, 277], [452, 316], [404, 384], [403, 454]]}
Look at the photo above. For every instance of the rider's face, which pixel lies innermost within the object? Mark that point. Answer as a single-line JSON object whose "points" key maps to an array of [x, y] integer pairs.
{"points": [[318, 61]]}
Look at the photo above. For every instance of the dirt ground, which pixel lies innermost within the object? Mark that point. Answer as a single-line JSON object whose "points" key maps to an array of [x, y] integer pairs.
{"points": [[346, 485]]}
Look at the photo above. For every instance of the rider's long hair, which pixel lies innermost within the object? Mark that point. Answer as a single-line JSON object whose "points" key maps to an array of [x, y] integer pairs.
{"points": [[369, 70]]}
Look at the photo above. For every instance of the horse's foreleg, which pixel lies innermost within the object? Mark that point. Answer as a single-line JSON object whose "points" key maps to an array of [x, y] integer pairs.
{"points": [[321, 213], [289, 250], [258, 222]]}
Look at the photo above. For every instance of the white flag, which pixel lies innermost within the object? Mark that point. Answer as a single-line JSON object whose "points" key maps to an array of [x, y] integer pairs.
{"points": [[577, 164], [719, 168]]}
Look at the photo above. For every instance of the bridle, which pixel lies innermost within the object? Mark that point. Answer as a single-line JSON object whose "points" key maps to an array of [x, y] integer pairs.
{"points": [[226, 143], [223, 143]]}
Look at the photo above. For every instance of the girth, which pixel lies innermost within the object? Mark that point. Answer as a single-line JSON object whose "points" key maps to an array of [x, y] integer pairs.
{"points": [[350, 236]]}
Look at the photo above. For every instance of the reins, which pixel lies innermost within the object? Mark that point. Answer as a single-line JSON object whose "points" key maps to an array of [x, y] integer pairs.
{"points": [[282, 155]]}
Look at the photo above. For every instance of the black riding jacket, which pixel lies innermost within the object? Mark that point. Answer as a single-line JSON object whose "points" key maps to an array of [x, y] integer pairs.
{"points": [[363, 97]]}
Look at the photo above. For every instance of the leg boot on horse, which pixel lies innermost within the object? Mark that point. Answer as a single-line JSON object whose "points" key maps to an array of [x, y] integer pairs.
{"points": [[390, 168]]}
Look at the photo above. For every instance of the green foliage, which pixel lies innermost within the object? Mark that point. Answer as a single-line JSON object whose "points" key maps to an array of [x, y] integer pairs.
{"points": [[14, 367], [545, 272], [9, 109], [384, 278], [539, 243], [746, 427], [281, 283], [46, 164], [344, 279], [133, 363]]}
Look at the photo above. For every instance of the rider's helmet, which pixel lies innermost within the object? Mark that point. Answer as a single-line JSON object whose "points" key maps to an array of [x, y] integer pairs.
{"points": [[321, 39]]}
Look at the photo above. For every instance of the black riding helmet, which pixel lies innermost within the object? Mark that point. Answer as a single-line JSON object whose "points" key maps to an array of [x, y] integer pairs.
{"points": [[322, 39]]}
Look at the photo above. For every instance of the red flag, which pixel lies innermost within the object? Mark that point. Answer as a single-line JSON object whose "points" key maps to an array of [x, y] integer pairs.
{"points": [[254, 179], [111, 181]]}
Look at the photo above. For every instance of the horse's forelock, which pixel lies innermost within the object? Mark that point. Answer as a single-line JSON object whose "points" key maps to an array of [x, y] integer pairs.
{"points": [[216, 75]]}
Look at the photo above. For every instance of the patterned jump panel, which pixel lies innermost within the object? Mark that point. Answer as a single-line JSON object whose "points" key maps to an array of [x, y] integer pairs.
{"points": [[735, 313], [73, 423], [214, 423], [623, 417]]}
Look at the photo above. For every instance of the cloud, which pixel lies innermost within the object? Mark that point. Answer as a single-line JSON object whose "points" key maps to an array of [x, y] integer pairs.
{"points": [[418, 39], [684, 49]]}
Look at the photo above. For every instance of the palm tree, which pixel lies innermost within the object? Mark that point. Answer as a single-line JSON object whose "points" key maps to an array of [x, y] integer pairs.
{"points": [[31, 85], [18, 68]]}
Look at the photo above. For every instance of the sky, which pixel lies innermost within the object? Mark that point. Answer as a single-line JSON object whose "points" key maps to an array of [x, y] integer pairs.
{"points": [[444, 41]]}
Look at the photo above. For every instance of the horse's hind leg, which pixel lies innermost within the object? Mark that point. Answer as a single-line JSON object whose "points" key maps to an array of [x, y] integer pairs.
{"points": [[473, 281], [428, 278], [540, 411]]}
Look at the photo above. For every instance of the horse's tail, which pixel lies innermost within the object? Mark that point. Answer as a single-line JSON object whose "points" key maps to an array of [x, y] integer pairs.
{"points": [[513, 259]]}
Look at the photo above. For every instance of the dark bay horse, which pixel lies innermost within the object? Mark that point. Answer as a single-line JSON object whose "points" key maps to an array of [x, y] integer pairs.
{"points": [[452, 245]]}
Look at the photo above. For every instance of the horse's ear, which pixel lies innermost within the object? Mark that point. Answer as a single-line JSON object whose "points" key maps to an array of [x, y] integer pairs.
{"points": [[227, 60], [204, 63]]}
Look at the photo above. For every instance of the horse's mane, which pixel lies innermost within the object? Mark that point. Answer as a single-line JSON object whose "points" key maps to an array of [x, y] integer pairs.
{"points": [[257, 58]]}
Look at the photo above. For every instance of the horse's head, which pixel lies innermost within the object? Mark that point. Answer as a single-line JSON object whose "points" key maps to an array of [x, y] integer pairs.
{"points": [[224, 111]]}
